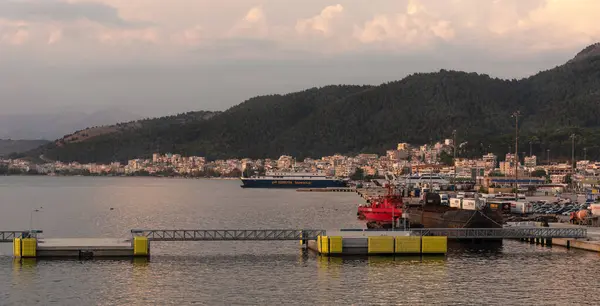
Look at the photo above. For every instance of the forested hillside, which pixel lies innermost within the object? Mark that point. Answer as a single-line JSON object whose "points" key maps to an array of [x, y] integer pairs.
{"points": [[8, 146], [420, 108]]}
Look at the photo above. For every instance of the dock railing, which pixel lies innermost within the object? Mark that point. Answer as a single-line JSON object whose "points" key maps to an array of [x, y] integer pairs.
{"points": [[9, 236], [502, 233], [229, 235], [496, 233]]}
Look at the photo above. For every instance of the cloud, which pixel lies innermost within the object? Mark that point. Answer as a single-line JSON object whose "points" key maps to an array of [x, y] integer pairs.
{"points": [[239, 48], [254, 15], [191, 36], [54, 37], [15, 36], [416, 27], [265, 46], [509, 27], [53, 10], [120, 36], [253, 24], [320, 23]]}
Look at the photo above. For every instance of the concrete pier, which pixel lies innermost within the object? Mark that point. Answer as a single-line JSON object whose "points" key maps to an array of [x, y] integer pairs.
{"points": [[582, 244], [590, 243], [329, 189], [83, 248]]}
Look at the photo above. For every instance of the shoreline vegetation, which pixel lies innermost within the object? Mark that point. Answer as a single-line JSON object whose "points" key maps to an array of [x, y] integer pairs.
{"points": [[125, 176], [5, 171]]}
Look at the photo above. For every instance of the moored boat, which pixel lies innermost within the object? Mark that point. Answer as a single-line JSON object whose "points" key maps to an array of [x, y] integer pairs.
{"points": [[292, 180], [474, 214], [382, 211]]}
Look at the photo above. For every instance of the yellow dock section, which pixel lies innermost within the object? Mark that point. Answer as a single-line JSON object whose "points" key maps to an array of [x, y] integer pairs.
{"points": [[17, 247], [379, 245], [329, 244], [141, 246], [434, 245], [335, 245], [408, 245], [25, 247]]}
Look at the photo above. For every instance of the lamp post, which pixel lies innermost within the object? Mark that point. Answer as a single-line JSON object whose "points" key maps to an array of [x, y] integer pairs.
{"points": [[573, 168], [516, 116], [454, 153], [573, 152], [31, 218]]}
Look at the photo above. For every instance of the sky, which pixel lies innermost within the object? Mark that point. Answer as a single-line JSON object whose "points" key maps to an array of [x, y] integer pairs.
{"points": [[157, 57]]}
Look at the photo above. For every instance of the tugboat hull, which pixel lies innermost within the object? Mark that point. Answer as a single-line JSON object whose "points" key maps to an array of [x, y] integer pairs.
{"points": [[457, 218], [379, 214], [434, 215]]}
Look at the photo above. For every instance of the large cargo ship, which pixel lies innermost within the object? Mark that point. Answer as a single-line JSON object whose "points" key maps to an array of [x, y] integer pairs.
{"points": [[292, 180], [471, 214]]}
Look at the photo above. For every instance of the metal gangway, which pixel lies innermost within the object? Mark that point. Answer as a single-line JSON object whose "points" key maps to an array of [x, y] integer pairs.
{"points": [[229, 235], [9, 236], [501, 233]]}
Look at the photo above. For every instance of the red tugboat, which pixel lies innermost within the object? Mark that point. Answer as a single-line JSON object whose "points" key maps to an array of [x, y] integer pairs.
{"points": [[381, 211]]}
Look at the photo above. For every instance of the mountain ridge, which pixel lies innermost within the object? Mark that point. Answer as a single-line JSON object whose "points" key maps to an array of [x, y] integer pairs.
{"points": [[52, 125], [419, 108]]}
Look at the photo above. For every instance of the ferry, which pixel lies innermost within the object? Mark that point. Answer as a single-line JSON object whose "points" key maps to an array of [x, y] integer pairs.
{"points": [[292, 180]]}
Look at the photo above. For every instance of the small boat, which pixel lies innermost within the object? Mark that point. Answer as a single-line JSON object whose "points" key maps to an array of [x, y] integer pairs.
{"points": [[382, 211]]}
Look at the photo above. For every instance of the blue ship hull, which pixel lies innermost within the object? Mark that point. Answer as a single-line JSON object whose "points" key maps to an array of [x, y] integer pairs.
{"points": [[299, 183]]}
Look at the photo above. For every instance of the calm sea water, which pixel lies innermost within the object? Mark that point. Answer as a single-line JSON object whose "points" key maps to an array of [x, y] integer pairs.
{"points": [[256, 273]]}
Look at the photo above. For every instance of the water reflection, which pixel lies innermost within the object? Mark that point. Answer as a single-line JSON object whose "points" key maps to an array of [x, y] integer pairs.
{"points": [[24, 266], [140, 262], [256, 273], [489, 248]]}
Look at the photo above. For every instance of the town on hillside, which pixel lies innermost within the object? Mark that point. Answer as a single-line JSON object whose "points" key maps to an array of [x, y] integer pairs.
{"points": [[404, 160]]}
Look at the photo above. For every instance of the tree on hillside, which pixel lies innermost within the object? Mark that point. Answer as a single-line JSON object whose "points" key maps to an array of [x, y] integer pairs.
{"points": [[351, 119], [539, 173], [496, 173], [358, 175], [234, 173], [446, 159]]}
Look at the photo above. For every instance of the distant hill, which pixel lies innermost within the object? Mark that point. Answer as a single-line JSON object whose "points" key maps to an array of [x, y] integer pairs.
{"points": [[589, 51], [8, 146], [53, 125], [133, 132], [420, 108]]}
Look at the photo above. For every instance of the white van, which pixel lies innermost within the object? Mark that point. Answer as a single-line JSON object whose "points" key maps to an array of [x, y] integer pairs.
{"points": [[445, 200]]}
